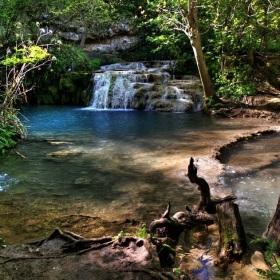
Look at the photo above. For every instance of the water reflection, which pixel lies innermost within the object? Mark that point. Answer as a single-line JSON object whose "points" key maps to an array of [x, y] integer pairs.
{"points": [[4, 182], [109, 164]]}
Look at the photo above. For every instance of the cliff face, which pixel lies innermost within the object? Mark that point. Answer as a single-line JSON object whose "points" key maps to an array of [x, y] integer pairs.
{"points": [[100, 38]]}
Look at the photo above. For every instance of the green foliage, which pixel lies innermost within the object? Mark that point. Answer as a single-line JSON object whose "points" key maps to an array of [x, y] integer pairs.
{"points": [[211, 103], [29, 55], [95, 64], [122, 234], [235, 83], [142, 232], [271, 251], [238, 26], [3, 243], [26, 57], [177, 272], [68, 58], [274, 44], [61, 74], [7, 137]]}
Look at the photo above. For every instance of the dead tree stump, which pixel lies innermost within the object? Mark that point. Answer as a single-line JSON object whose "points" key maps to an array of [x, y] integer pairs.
{"points": [[273, 229], [205, 203], [232, 235]]}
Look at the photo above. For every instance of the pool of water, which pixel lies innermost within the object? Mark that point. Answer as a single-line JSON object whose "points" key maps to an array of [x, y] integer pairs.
{"points": [[109, 164], [257, 190]]}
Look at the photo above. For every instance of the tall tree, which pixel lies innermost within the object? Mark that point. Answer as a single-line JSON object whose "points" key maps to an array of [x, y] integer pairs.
{"points": [[182, 15]]}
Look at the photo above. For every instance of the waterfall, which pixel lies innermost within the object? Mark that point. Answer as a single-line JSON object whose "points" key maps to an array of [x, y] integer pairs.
{"points": [[144, 85]]}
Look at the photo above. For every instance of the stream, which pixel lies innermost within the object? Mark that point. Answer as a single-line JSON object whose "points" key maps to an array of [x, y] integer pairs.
{"points": [[257, 190], [120, 164]]}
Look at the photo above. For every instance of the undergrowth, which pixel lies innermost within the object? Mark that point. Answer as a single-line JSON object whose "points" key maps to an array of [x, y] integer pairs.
{"points": [[271, 257]]}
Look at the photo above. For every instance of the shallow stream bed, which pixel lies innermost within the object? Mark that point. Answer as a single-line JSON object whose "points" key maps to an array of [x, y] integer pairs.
{"points": [[118, 165]]}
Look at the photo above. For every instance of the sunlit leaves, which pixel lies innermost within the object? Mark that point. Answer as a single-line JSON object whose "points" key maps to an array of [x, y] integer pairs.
{"points": [[28, 55], [241, 24]]}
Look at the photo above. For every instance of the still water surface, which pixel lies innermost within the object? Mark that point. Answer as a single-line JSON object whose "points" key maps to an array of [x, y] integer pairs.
{"points": [[109, 164], [257, 191]]}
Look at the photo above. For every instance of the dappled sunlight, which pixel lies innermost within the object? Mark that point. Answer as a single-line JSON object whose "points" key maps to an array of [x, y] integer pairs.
{"points": [[111, 165]]}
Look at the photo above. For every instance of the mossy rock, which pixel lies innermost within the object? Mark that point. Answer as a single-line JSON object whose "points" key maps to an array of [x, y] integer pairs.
{"points": [[66, 84], [141, 105]]}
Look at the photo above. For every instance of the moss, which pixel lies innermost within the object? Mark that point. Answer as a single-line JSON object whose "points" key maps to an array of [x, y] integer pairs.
{"points": [[53, 90], [141, 105], [69, 90], [166, 255], [47, 99], [66, 84], [64, 99]]}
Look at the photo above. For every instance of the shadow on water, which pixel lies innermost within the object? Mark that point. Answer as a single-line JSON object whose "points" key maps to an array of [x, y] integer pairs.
{"points": [[108, 164]]}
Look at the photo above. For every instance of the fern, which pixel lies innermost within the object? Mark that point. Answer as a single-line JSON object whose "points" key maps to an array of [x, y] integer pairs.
{"points": [[271, 251]]}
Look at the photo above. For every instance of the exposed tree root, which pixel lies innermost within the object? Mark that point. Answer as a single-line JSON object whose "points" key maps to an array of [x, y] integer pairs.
{"points": [[75, 243]]}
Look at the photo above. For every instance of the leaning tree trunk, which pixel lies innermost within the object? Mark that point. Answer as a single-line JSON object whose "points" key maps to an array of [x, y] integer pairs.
{"points": [[193, 34], [273, 229]]}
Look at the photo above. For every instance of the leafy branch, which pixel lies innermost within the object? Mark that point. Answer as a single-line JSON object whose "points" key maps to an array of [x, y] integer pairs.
{"points": [[25, 57]]}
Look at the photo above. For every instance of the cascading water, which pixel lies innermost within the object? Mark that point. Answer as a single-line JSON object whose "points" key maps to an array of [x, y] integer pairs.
{"points": [[139, 85]]}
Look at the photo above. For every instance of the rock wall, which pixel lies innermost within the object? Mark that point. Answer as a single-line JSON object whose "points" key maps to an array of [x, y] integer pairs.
{"points": [[101, 38]]}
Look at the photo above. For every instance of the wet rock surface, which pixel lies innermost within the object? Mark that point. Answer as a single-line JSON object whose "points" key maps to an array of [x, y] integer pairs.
{"points": [[145, 85]]}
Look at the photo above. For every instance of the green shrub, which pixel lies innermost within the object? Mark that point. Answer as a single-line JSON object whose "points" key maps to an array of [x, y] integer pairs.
{"points": [[68, 59], [274, 45], [235, 83], [270, 255], [7, 137], [95, 64]]}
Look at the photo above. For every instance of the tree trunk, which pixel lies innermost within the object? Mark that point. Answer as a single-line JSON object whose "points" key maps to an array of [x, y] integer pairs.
{"points": [[232, 235], [84, 36], [207, 84], [273, 229], [193, 34]]}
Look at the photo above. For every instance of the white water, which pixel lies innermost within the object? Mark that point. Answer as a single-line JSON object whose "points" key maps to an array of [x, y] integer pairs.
{"points": [[135, 84]]}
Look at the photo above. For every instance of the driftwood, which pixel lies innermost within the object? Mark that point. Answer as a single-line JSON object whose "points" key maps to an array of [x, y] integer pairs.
{"points": [[168, 230], [169, 226], [181, 221], [232, 235], [75, 243], [273, 228], [205, 203]]}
